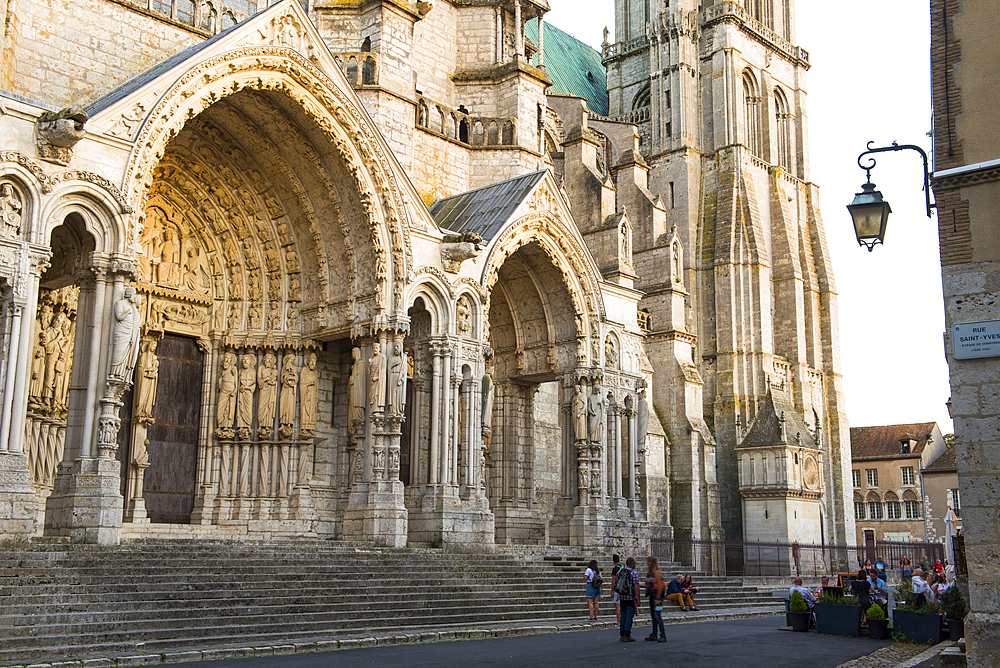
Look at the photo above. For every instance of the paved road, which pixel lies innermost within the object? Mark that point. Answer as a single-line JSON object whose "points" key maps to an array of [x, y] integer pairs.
{"points": [[748, 643]]}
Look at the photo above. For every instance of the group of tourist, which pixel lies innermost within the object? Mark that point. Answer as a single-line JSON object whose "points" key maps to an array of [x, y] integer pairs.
{"points": [[627, 595]]}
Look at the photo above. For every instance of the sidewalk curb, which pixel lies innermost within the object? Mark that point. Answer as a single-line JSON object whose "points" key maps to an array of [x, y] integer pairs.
{"points": [[538, 627], [928, 654]]}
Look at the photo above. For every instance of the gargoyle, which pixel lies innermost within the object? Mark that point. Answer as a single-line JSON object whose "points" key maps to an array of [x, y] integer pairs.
{"points": [[58, 133], [457, 248]]}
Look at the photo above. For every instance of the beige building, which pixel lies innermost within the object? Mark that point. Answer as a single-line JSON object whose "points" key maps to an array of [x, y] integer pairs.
{"points": [[941, 495], [892, 501], [966, 180], [356, 270]]}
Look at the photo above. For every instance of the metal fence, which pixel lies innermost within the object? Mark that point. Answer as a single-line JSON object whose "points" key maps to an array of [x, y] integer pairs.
{"points": [[788, 559]]}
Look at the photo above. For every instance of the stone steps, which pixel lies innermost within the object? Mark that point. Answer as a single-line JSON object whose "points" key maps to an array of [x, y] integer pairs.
{"points": [[68, 602]]}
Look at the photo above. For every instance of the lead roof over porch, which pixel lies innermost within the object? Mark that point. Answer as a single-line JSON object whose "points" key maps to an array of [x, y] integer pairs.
{"points": [[484, 211]]}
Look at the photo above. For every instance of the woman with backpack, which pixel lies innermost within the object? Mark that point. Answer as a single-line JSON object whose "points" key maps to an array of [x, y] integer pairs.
{"points": [[594, 582]]}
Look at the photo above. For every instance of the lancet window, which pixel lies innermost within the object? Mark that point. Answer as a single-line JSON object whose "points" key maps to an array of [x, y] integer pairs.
{"points": [[751, 113]]}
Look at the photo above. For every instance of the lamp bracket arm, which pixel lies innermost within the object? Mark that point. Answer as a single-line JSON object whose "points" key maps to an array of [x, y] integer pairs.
{"points": [[870, 165]]}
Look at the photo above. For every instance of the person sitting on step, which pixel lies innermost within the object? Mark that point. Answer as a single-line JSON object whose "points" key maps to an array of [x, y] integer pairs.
{"points": [[690, 590], [675, 592]]}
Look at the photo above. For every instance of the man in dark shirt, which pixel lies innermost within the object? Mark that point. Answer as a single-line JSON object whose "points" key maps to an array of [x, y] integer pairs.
{"points": [[628, 601]]}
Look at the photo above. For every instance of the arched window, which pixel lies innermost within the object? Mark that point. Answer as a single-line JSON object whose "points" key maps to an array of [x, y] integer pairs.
{"points": [[874, 506], [422, 114], [641, 99], [463, 131], [859, 507], [783, 130], [478, 134], [352, 70], [508, 134], [366, 46], [493, 134], [911, 506], [751, 113], [892, 508], [368, 71]]}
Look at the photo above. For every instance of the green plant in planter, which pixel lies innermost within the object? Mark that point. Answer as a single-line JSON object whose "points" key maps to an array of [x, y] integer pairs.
{"points": [[875, 612], [953, 603], [797, 603], [905, 598]]}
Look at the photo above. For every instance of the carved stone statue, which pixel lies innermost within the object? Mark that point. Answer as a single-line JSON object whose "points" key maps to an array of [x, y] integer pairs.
{"points": [[146, 379], [583, 478], [464, 316], [10, 212], [579, 414], [267, 382], [226, 409], [244, 397], [309, 396], [488, 392], [293, 316], [356, 410], [376, 379], [610, 354], [595, 415], [397, 381], [49, 340], [196, 277], [166, 272], [286, 408], [125, 335]]}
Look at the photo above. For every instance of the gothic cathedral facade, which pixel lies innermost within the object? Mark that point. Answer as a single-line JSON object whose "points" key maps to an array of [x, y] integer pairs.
{"points": [[356, 271]]}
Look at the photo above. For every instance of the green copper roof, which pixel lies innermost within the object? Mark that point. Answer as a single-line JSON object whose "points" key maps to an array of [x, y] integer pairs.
{"points": [[574, 67]]}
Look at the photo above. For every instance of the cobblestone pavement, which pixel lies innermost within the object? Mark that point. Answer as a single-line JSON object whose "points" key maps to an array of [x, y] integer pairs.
{"points": [[887, 657]]}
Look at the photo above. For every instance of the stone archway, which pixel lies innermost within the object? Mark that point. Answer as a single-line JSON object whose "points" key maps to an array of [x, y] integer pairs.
{"points": [[256, 249], [534, 338]]}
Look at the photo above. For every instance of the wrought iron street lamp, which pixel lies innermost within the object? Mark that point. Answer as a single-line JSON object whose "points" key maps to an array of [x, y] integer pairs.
{"points": [[869, 210]]}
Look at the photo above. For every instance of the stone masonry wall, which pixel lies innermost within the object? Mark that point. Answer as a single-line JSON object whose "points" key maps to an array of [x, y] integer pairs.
{"points": [[69, 53]]}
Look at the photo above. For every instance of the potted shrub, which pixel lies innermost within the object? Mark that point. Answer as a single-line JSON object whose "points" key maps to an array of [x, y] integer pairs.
{"points": [[955, 607], [918, 625], [838, 615], [878, 624], [799, 612]]}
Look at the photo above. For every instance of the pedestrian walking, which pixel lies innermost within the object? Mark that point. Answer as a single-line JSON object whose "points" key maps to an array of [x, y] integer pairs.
{"points": [[627, 586], [654, 591], [594, 582], [615, 559]]}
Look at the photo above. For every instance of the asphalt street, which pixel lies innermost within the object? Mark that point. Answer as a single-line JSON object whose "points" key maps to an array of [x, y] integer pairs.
{"points": [[749, 643]]}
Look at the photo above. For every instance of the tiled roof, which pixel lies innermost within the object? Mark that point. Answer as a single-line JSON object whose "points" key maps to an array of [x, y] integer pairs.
{"points": [[946, 462], [484, 210], [883, 440], [574, 67]]}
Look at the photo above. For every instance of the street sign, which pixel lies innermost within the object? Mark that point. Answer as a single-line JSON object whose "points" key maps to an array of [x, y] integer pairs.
{"points": [[973, 340]]}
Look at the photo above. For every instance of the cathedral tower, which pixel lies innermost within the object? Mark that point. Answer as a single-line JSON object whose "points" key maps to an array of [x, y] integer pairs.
{"points": [[717, 92]]}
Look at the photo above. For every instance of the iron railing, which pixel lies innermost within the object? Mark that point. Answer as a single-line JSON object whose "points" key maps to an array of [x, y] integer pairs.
{"points": [[762, 559]]}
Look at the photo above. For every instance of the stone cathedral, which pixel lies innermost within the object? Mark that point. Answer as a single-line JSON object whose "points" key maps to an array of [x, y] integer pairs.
{"points": [[400, 272]]}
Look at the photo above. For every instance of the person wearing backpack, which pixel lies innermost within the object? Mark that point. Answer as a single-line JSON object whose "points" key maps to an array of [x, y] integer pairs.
{"points": [[594, 582], [627, 587], [615, 559]]}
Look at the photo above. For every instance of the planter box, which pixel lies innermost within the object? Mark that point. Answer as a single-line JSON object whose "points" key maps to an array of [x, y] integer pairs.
{"points": [[919, 627], [878, 629], [956, 629], [799, 621], [838, 620]]}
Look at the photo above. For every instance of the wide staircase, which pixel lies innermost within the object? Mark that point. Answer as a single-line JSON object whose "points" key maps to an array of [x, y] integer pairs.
{"points": [[62, 601]]}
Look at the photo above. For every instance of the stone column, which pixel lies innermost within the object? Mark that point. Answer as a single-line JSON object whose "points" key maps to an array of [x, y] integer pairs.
{"points": [[518, 32], [18, 508], [499, 44], [418, 388], [445, 397], [456, 440], [86, 505], [434, 458], [616, 421], [209, 456]]}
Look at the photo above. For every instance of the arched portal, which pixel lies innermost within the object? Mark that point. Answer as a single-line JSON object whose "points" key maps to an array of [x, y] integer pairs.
{"points": [[534, 337], [256, 256]]}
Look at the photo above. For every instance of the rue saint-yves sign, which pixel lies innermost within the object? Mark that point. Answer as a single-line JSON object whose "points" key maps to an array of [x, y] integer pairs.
{"points": [[973, 340]]}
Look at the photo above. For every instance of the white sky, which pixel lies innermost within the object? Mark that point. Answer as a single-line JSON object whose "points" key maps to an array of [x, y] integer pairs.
{"points": [[866, 84]]}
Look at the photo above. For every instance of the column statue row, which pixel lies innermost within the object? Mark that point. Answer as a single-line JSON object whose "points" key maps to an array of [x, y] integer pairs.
{"points": [[238, 386]]}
